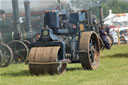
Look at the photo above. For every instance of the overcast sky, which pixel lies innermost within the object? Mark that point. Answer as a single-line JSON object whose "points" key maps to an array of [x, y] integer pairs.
{"points": [[35, 4]]}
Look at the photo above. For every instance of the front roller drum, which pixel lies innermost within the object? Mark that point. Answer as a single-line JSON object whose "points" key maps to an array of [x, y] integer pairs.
{"points": [[89, 50], [43, 60]]}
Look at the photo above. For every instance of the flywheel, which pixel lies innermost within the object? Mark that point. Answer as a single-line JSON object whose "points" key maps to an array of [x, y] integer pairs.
{"points": [[89, 50], [43, 60]]}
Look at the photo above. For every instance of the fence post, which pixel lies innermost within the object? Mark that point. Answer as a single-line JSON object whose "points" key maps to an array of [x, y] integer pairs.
{"points": [[118, 34]]}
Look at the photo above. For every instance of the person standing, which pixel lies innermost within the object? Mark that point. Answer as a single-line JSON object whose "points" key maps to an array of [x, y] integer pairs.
{"points": [[4, 23], [2, 15]]}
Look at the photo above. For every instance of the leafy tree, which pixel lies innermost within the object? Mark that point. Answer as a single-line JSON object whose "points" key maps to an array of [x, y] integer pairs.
{"points": [[117, 6]]}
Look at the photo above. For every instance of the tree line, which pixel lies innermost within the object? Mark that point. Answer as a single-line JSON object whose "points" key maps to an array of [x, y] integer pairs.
{"points": [[117, 6]]}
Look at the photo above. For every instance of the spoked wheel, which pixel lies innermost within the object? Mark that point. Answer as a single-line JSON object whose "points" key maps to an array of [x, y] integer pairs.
{"points": [[20, 50], [110, 39], [43, 60], [101, 44], [6, 55], [1, 57], [89, 50], [27, 43]]}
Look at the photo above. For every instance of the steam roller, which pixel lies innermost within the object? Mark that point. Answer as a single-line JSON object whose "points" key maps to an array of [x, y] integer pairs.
{"points": [[47, 60], [65, 38]]}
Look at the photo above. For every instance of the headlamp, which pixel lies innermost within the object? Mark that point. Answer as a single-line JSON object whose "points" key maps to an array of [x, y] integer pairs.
{"points": [[45, 33]]}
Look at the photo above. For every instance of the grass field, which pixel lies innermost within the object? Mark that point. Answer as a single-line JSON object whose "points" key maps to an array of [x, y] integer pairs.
{"points": [[113, 70]]}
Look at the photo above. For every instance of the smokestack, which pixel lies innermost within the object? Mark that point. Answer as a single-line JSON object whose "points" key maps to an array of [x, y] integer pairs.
{"points": [[18, 33], [16, 14], [101, 15], [59, 5], [89, 16], [28, 14]]}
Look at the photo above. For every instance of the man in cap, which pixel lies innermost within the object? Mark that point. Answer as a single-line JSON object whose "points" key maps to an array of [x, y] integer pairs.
{"points": [[2, 15]]}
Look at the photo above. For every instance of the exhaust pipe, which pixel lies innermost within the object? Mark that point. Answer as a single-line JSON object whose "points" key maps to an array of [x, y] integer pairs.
{"points": [[15, 7], [101, 15], [59, 5], [28, 14], [89, 17], [16, 13]]}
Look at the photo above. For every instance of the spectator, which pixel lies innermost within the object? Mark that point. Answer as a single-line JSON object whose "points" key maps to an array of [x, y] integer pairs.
{"points": [[2, 15], [103, 36], [114, 34]]}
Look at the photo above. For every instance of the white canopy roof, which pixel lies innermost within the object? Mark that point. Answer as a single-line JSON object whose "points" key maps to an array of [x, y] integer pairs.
{"points": [[117, 19]]}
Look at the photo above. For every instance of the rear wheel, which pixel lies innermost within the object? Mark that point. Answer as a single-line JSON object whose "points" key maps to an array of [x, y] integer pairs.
{"points": [[89, 50], [27, 43], [6, 55], [101, 44], [110, 40], [1, 57], [20, 50]]}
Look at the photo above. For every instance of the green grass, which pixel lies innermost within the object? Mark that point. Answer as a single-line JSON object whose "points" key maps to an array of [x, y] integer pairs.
{"points": [[113, 70]]}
